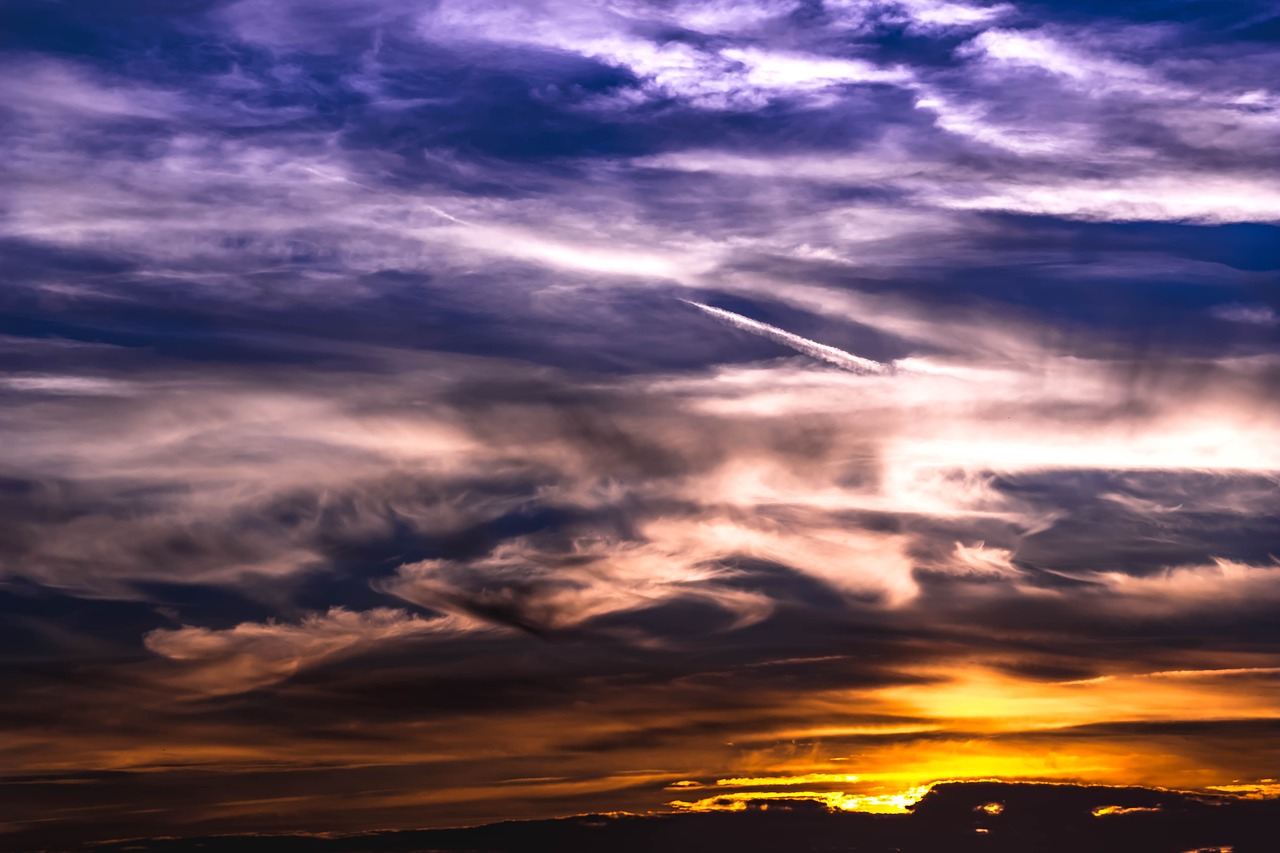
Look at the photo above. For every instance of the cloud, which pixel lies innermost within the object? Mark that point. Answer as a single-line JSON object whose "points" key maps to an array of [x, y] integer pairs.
{"points": [[542, 590], [1211, 200], [980, 560], [358, 445], [929, 14], [1223, 584], [54, 90], [772, 71], [694, 69], [254, 655], [1256, 315]]}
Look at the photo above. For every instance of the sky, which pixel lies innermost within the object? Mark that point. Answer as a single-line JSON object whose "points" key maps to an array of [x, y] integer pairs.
{"points": [[417, 413]]}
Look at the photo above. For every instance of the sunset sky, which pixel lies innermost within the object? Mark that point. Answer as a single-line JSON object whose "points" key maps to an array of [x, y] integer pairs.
{"points": [[419, 413]]}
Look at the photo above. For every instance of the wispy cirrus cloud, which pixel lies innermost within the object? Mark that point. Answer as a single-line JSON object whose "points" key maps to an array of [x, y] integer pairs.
{"points": [[253, 655]]}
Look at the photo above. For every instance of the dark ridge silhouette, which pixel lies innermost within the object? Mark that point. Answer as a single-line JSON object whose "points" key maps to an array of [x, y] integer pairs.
{"points": [[991, 817]]}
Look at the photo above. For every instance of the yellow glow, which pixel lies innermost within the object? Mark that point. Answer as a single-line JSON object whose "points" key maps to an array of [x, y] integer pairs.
{"points": [[897, 803], [857, 731], [962, 759], [1256, 791], [972, 702], [1103, 811], [1210, 673], [892, 775], [986, 700], [806, 779]]}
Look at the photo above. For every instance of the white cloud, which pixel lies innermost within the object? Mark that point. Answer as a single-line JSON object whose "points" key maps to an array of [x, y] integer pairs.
{"points": [[72, 385], [48, 90], [710, 78], [256, 654], [1221, 585], [783, 72], [1167, 196], [979, 559], [709, 16], [1254, 315], [930, 14], [554, 589]]}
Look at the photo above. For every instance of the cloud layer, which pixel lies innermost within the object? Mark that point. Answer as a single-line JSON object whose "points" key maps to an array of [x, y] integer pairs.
{"points": [[414, 414]]}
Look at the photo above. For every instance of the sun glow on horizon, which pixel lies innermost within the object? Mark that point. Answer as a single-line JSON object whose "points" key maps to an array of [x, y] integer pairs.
{"points": [[892, 803]]}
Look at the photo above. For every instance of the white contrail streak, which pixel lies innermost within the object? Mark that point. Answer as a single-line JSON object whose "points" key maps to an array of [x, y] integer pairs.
{"points": [[338, 179], [813, 349]]}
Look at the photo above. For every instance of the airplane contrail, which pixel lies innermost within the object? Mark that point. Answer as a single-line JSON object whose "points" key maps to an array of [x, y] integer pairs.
{"points": [[339, 179], [813, 349]]}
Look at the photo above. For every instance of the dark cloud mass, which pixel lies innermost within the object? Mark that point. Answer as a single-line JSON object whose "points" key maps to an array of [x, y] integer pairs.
{"points": [[416, 415]]}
